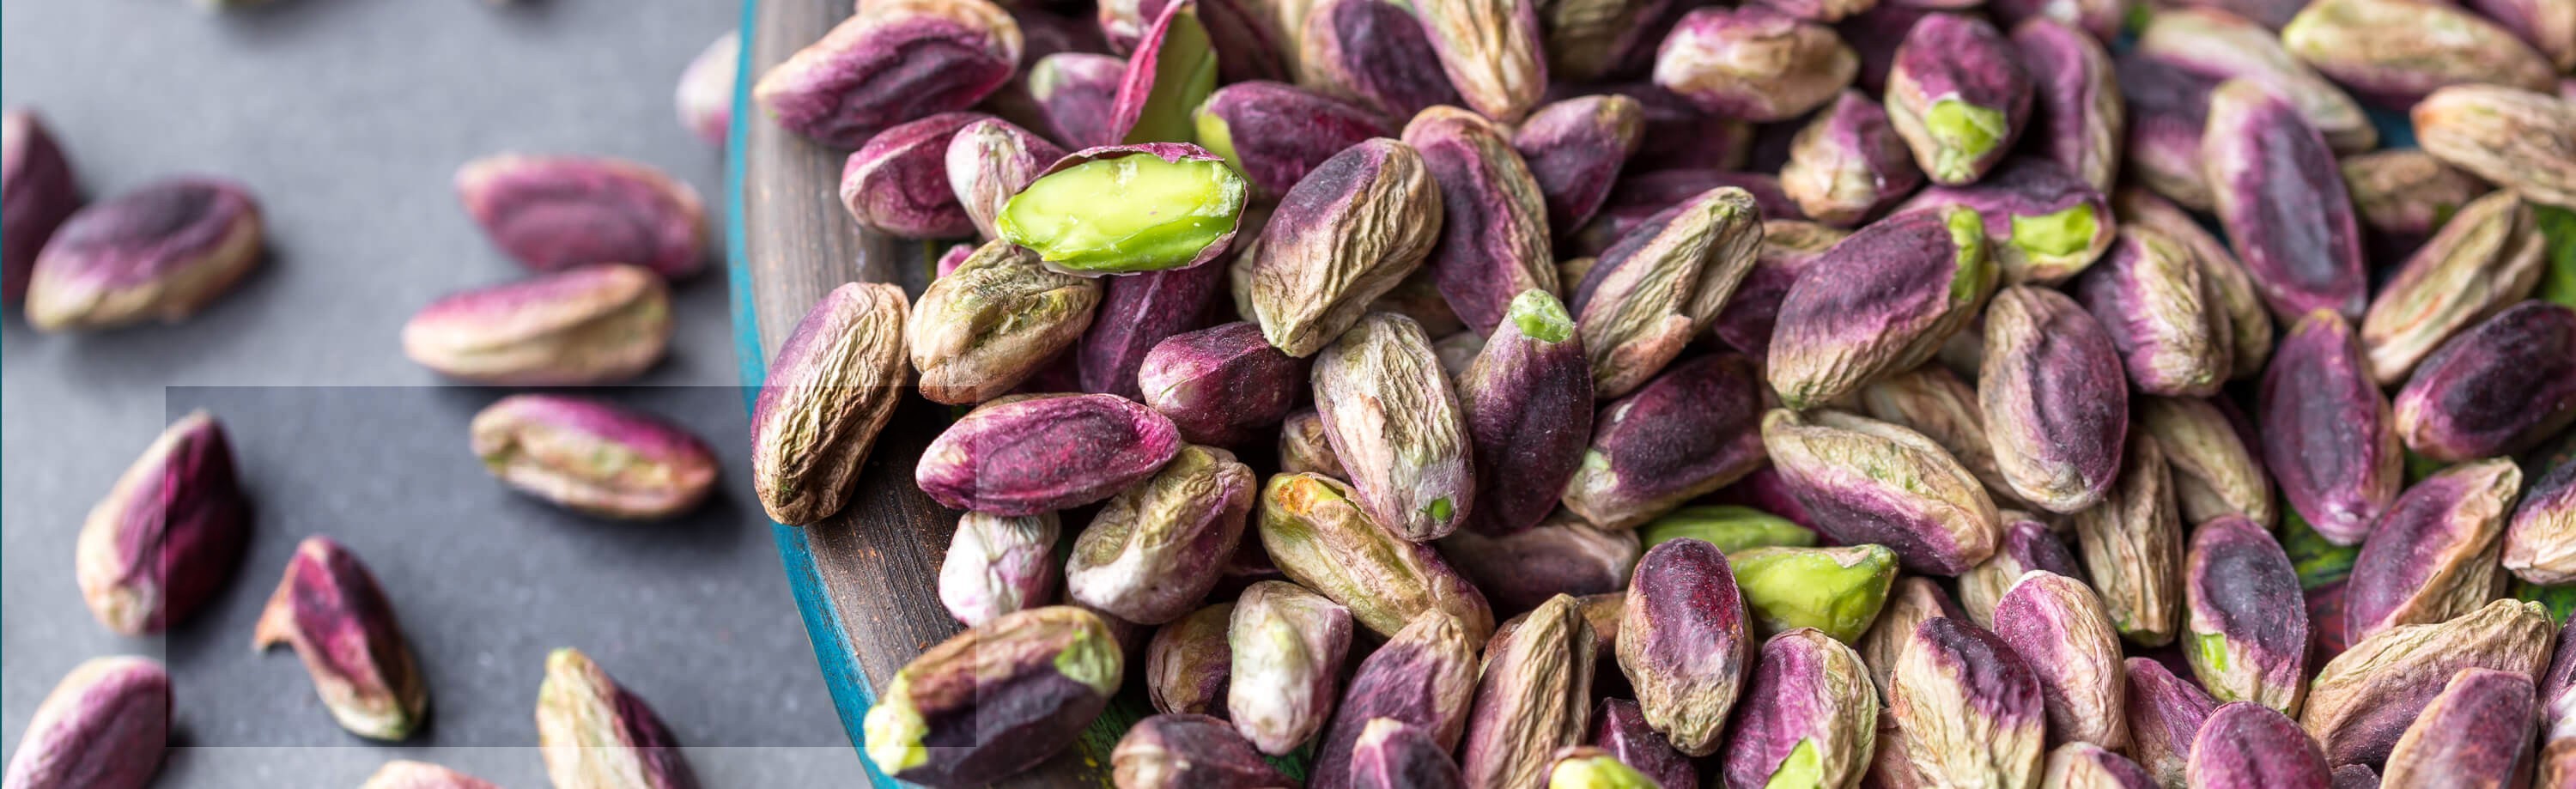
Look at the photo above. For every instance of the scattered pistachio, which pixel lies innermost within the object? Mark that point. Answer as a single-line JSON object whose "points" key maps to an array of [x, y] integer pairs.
{"points": [[558, 212], [892, 62], [104, 726], [831, 388], [586, 325], [330, 610], [160, 252]]}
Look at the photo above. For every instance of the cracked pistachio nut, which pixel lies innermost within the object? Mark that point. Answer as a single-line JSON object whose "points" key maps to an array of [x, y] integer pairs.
{"points": [[830, 390], [104, 726], [986, 162], [1374, 53], [557, 212], [1304, 448], [1958, 94], [2329, 437], [1099, 445], [2394, 52], [1157, 548], [995, 321], [2132, 546], [2059, 628], [2075, 92], [1174, 751], [1221, 385], [1684, 643], [2043, 224], [1575, 149], [2433, 555], [1494, 239], [1868, 481], [1171, 70], [2245, 745], [161, 252], [2512, 138], [2283, 203], [2540, 543], [37, 192], [2245, 626], [1395, 422], [997, 565], [168, 535], [586, 325], [1561, 555], [1527, 401], [1686, 433], [890, 63], [2028, 545], [1928, 276], [2495, 389], [1621, 730], [2174, 337], [995, 700], [1532, 698], [1189, 661], [1837, 591], [594, 734], [2216, 46], [2488, 257], [1810, 715], [1345, 235], [1971, 709], [1073, 92], [2230, 288], [1137, 313], [330, 610], [1424, 677], [2165, 713], [1933, 401], [2407, 192], [1910, 603], [2476, 733], [592, 456], [1275, 133], [1730, 527], [1315, 531], [2361, 702], [1663, 283], [1491, 51], [1287, 646], [2216, 471], [1125, 209], [897, 184], [2055, 399], [1848, 164], [1754, 63], [407, 774], [1392, 754]]}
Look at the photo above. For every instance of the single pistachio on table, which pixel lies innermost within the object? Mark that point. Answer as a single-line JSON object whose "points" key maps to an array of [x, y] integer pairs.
{"points": [[1810, 715], [1971, 709], [2540, 543], [1641, 194], [1287, 646], [2044, 225], [2407, 192], [595, 734], [1491, 52], [1527, 401], [1171, 70], [1073, 92], [1374, 53], [1686, 433], [1304, 448], [2476, 733], [891, 62], [2075, 90], [2245, 745], [2362, 701], [586, 325], [705, 94], [1082, 216], [1662, 284], [1156, 549], [1171, 751], [997, 565], [1136, 314], [2216, 471], [1392, 754], [1275, 133], [2168, 108], [2132, 547], [1395, 421], [1574, 149], [2055, 399], [1494, 239], [1424, 677], [37, 192], [1533, 697], [1789, 246], [2433, 555], [1316, 532], [1933, 401], [2083, 765], [2487, 258], [1837, 591], [2217, 46], [1683, 642], [593, 456], [2283, 203], [1959, 96], [2175, 338], [1563, 554], [1345, 235], [2229, 287], [2496, 388], [1730, 527], [1189, 661], [993, 322], [2329, 437], [160, 252], [2245, 625], [986, 161], [2164, 712], [557, 212], [1222, 384], [1929, 276], [406, 774], [1868, 481], [2059, 628], [1913, 600], [330, 610], [104, 726], [1620, 730], [2028, 545], [1029, 456], [841, 371], [898, 183], [995, 700], [1753, 63], [2393, 52], [169, 533], [1847, 164]]}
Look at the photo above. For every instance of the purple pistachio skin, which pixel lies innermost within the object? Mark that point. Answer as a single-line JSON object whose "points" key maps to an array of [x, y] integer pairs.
{"points": [[2059, 628], [1575, 148], [951, 259], [1423, 677], [2477, 733], [1876, 34], [2499, 388], [37, 193], [898, 183], [1529, 408], [2278, 192], [161, 252], [2329, 438], [1137, 313], [2249, 323], [556, 212], [2245, 745], [1848, 164], [1143, 83], [2268, 13], [330, 610], [1620, 729], [2083, 764], [2246, 622], [593, 456], [1901, 285], [1806, 688], [2355, 776], [1564, 555], [1683, 642], [1640, 196], [892, 62], [1174, 751], [1050, 453], [1753, 63], [168, 535], [1788, 247], [2099, 20], [2076, 94], [1678, 136], [2433, 555], [1688, 431], [2055, 397], [1963, 60], [1375, 53], [2164, 712], [2023, 189], [1845, 503], [2360, 704], [103, 727], [588, 325], [1221, 386], [1494, 235], [2168, 109], [1275, 132], [1073, 92], [1391, 754], [2175, 338], [1979, 669]]}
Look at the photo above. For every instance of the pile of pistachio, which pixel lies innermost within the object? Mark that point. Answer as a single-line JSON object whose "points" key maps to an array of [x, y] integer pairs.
{"points": [[1619, 393]]}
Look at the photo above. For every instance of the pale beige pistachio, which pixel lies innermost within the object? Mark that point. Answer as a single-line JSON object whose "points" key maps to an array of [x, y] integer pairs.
{"points": [[406, 774], [2514, 138], [831, 388], [2132, 547], [2406, 191], [1316, 533], [1304, 447], [1534, 698], [2395, 51], [2488, 257], [1288, 644], [1490, 50], [2175, 336], [1347, 233], [1971, 708], [2216, 46], [596, 735], [2249, 321], [990, 160], [593, 324], [984, 328], [1933, 401], [1868, 481], [1662, 284], [2362, 701], [1188, 662], [1911, 602], [2028, 544], [2215, 472], [1156, 549], [1394, 421], [997, 565]]}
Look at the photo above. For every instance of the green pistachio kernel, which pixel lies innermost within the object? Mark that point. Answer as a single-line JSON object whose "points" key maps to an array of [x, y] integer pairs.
{"points": [[1125, 214], [1966, 133], [1804, 769], [1540, 316], [1835, 590], [1597, 772], [894, 730], [1184, 75], [1729, 527], [2063, 234], [1968, 233]]}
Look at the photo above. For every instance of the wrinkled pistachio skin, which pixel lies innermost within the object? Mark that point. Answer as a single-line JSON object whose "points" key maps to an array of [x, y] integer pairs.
{"points": [[1189, 661], [1073, 91], [2245, 623], [1424, 676], [1789, 247], [1277, 133], [2028, 545], [1136, 314], [2433, 555], [1754, 63], [1287, 646], [1343, 236], [1621, 730], [1221, 385], [2540, 543], [1024, 457], [1809, 691], [2168, 109], [1494, 242], [1315, 531], [2509, 137], [1156, 549], [2495, 389], [2215, 468], [1684, 434], [588, 325], [2283, 203], [1562, 555], [2174, 337], [2132, 546], [2487, 258], [2364, 699], [1836, 590], [557, 212], [1491, 51], [1534, 697], [892, 62], [1303, 447], [1641, 194], [830, 390], [2083, 765], [2165, 712], [1371, 52], [993, 322], [1528, 405], [2230, 289], [1910, 603], [596, 735], [995, 700], [2217, 46], [2055, 398], [593, 456], [1883, 300], [2032, 190], [986, 162], [1933, 401], [2245, 745], [1574, 149], [37, 192], [2476, 733], [1395, 422], [1176, 751], [2395, 52], [898, 183], [1867, 481], [1972, 710], [2075, 95], [2058, 627], [1959, 96], [161, 252], [1683, 642], [998, 565], [1391, 754], [168, 535], [2406, 192], [1847, 163], [1662, 284], [2329, 437], [405, 774], [330, 610], [103, 727]]}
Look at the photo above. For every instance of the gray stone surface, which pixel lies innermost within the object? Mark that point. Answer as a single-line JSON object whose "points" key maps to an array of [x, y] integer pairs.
{"points": [[348, 118]]}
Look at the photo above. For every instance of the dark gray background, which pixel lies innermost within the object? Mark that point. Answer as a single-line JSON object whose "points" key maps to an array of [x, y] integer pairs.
{"points": [[348, 119]]}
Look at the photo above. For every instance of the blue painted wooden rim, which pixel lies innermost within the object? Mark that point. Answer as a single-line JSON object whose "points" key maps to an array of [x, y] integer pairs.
{"points": [[851, 695]]}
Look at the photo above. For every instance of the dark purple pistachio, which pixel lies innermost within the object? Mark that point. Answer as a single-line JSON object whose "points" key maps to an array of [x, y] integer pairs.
{"points": [[2168, 108], [1374, 53], [1562, 555], [2245, 745], [892, 62], [1788, 247], [2498, 388], [2133, 548], [2540, 543], [2355, 776], [1810, 713], [1528, 403], [2245, 625], [2055, 401], [1911, 601], [1621, 730], [2328, 436], [1424, 677], [898, 183], [1684, 434], [1220, 385], [988, 161], [2043, 224], [2393, 52], [1754, 63], [1171, 71], [2485, 259], [2476, 733], [2512, 138], [1030, 456], [1881, 301], [594, 734], [1971, 709], [557, 212], [1491, 51], [1494, 240], [2165, 712], [2433, 554], [1193, 751], [2361, 702], [2218, 46], [1287, 649], [1959, 96], [1350, 232], [2283, 203], [831, 388], [169, 533], [995, 700], [1847, 163], [1683, 642], [1136, 314], [1073, 92], [1314, 529], [1391, 754], [1535, 695], [160, 252], [2249, 322], [104, 726], [37, 192], [1156, 549], [1877, 32], [1867, 481], [591, 456], [1642, 194], [2175, 337], [1276, 133], [2028, 545], [1679, 136], [1575, 149], [329, 609], [2059, 628], [1189, 661]]}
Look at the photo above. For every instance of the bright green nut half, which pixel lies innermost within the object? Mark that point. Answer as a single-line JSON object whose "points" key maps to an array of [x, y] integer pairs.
{"points": [[894, 730], [1597, 772], [1216, 136], [1125, 214], [2052, 236], [2209, 652], [1804, 769], [1835, 590], [1966, 133], [1540, 316], [1729, 527], [1091, 660], [1968, 233], [1184, 75]]}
